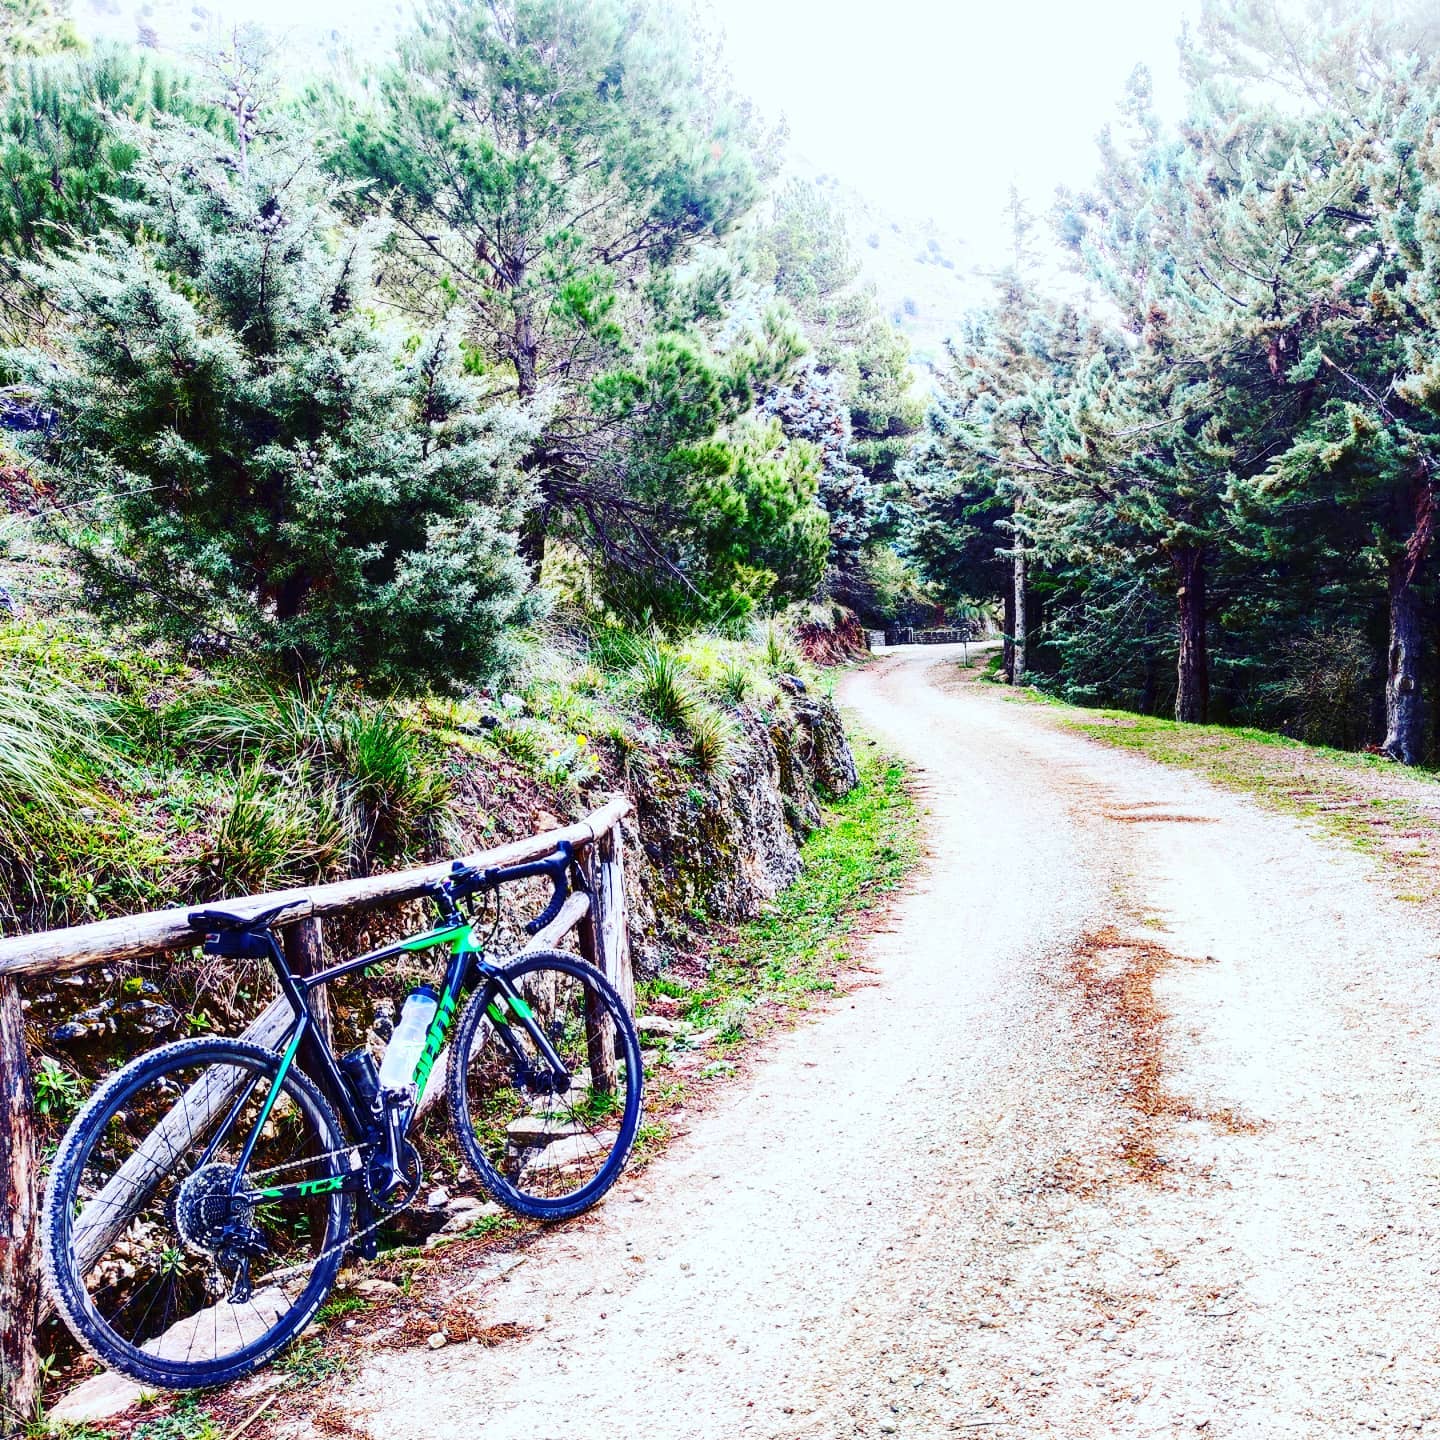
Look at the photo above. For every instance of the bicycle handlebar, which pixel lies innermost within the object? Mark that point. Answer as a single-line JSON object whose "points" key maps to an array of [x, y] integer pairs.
{"points": [[466, 880]]}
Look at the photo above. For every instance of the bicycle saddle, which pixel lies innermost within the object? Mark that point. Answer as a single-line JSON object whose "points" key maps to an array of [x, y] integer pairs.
{"points": [[210, 920]]}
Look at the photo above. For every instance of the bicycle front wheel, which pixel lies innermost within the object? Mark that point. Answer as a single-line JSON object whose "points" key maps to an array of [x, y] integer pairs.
{"points": [[166, 1258], [544, 1144]]}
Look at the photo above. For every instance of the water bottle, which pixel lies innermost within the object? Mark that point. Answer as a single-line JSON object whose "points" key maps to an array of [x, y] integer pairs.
{"points": [[402, 1054]]}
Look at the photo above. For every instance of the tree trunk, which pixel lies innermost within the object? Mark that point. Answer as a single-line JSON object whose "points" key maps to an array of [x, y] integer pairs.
{"points": [[19, 1222], [304, 947], [1192, 697], [531, 542], [525, 351], [1008, 646], [1018, 671], [591, 936], [1404, 734]]}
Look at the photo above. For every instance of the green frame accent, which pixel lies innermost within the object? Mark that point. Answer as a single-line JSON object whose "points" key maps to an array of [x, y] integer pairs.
{"points": [[322, 1186], [286, 1061]]}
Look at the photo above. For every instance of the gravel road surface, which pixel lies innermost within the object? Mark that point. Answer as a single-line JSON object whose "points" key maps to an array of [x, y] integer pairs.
{"points": [[1134, 1133]]}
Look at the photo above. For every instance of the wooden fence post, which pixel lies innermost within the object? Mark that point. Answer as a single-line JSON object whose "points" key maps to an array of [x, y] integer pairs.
{"points": [[590, 937], [304, 946], [19, 1221], [615, 939]]}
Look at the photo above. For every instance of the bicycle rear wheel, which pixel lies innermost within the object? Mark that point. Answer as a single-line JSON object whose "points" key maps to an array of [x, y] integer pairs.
{"points": [[149, 1233], [544, 1148]]}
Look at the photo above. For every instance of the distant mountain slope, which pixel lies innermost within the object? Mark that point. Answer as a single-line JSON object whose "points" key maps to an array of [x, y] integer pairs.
{"points": [[925, 277]]}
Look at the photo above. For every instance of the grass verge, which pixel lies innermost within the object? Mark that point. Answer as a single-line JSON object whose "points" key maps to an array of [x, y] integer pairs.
{"points": [[1388, 813], [865, 846]]}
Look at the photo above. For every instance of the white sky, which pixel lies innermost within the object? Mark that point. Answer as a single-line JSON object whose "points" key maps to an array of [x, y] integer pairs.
{"points": [[933, 109], [929, 109]]}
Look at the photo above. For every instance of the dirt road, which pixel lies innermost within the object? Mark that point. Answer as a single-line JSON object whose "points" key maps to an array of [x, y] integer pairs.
{"points": [[1135, 1135]]}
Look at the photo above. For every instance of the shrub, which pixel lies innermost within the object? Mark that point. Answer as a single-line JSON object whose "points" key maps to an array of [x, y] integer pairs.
{"points": [[664, 686], [712, 741], [261, 457], [399, 797], [1328, 687]]}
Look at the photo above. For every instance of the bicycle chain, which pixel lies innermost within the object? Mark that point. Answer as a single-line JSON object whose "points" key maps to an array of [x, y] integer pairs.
{"points": [[353, 1236]]}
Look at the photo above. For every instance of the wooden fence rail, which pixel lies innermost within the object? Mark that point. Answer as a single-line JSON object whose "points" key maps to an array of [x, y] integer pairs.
{"points": [[596, 913]]}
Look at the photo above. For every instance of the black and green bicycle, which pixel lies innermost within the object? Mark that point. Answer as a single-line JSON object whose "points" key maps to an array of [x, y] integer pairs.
{"points": [[201, 1204]]}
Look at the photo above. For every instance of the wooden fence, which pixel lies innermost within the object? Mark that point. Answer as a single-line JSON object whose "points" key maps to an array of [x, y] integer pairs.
{"points": [[595, 911], [954, 635]]}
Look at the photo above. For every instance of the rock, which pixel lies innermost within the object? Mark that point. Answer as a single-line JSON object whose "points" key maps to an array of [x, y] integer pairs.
{"points": [[376, 1289], [462, 1220], [463, 1204], [147, 1017], [725, 845], [568, 1151], [497, 1269], [438, 1339], [437, 1198], [657, 1027], [86, 1024], [99, 1398], [72, 1031], [531, 1130], [466, 1218], [831, 759]]}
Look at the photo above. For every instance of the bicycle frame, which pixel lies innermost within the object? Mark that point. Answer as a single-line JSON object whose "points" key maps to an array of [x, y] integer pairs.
{"points": [[467, 965]]}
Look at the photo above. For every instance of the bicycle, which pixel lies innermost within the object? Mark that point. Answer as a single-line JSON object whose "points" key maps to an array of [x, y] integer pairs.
{"points": [[201, 1203]]}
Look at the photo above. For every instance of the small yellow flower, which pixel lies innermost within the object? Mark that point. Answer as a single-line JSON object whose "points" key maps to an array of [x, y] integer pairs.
{"points": [[581, 741]]}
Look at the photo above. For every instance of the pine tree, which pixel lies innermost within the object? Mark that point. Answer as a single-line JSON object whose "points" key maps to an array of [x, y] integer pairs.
{"points": [[542, 162], [265, 459], [1346, 318], [858, 363], [985, 432], [711, 509], [63, 160]]}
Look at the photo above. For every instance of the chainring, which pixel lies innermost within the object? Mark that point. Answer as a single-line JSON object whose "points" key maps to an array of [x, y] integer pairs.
{"points": [[377, 1174]]}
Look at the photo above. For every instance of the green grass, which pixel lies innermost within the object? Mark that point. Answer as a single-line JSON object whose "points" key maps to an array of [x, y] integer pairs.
{"points": [[308, 1362], [865, 846], [185, 1420], [488, 1225], [341, 1305]]}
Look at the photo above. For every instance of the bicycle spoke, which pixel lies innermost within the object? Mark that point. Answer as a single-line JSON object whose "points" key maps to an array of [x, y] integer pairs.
{"points": [[546, 1142], [155, 1299]]}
